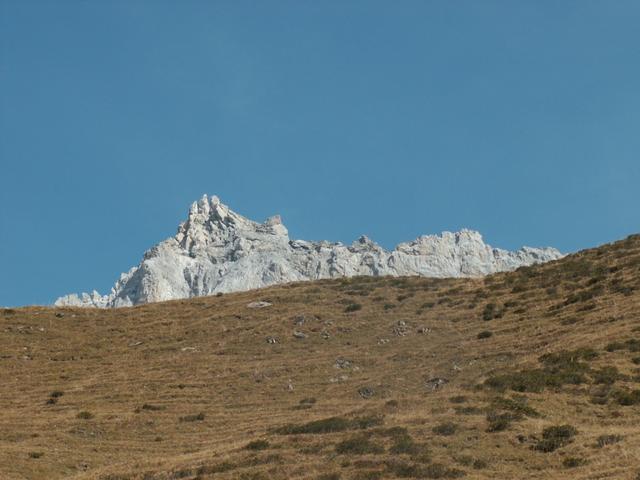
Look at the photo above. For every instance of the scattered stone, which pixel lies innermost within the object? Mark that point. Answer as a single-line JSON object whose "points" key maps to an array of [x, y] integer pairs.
{"points": [[189, 349], [366, 392], [135, 344], [272, 340], [343, 363], [59, 314], [383, 341], [401, 329], [299, 320], [436, 383], [299, 335], [258, 304], [325, 335], [424, 330], [339, 379]]}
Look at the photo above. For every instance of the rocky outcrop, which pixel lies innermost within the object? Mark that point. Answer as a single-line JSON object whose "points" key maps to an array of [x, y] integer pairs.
{"points": [[218, 250]]}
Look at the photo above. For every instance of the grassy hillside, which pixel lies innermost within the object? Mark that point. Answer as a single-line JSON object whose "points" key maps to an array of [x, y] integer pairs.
{"points": [[529, 374]]}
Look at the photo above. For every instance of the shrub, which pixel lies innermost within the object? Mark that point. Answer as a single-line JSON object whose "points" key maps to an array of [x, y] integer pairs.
{"points": [[193, 418], [604, 440], [555, 437], [561, 368], [84, 415], [353, 307], [218, 468], [257, 445], [499, 422], [330, 425], [329, 476], [358, 445], [35, 454], [446, 428], [517, 405], [56, 394], [606, 375], [485, 334], [627, 398], [153, 408], [572, 462], [437, 470], [489, 312], [405, 444], [458, 399]]}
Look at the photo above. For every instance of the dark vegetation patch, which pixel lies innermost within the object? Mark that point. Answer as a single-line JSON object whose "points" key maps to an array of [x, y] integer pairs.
{"points": [[353, 307], [198, 417], [573, 462], [632, 345], [558, 369], [492, 311], [458, 399], [555, 437], [257, 445], [403, 469], [358, 445], [485, 334], [445, 428], [604, 440], [330, 425]]}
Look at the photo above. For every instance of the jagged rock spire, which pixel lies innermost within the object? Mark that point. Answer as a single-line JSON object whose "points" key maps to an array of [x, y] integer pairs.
{"points": [[219, 250]]}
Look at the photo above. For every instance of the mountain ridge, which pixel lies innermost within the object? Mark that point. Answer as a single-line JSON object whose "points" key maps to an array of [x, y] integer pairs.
{"points": [[217, 250]]}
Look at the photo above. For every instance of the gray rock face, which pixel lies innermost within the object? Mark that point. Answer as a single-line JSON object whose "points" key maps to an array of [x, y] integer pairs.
{"points": [[218, 250]]}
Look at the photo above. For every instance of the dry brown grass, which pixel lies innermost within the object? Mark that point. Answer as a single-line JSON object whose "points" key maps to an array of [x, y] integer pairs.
{"points": [[192, 389]]}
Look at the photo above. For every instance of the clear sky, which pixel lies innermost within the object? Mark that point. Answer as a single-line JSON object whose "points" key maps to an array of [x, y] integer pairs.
{"points": [[520, 119]]}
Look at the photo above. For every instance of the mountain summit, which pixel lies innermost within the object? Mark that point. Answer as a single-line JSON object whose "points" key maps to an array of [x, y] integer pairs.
{"points": [[218, 250]]}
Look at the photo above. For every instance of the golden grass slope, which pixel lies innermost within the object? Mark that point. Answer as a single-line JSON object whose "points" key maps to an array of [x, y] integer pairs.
{"points": [[524, 375]]}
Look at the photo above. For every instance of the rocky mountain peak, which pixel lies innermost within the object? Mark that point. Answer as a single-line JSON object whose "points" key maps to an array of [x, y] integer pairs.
{"points": [[219, 250]]}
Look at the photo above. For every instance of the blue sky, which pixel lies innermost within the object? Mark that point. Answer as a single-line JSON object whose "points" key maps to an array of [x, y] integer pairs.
{"points": [[391, 119]]}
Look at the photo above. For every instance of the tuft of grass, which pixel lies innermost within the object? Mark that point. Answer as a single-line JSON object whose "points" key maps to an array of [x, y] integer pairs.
{"points": [[485, 334], [606, 375], [573, 462], [555, 437], [257, 445], [358, 445], [561, 368], [353, 307], [198, 417], [404, 444], [604, 440], [445, 428], [329, 476], [499, 422], [458, 399], [331, 425], [84, 415], [517, 405], [627, 397], [36, 454]]}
